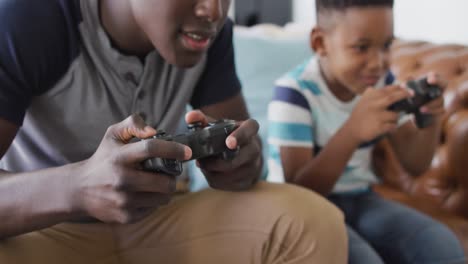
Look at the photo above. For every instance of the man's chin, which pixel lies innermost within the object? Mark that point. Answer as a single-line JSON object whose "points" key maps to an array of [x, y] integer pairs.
{"points": [[182, 58], [185, 61]]}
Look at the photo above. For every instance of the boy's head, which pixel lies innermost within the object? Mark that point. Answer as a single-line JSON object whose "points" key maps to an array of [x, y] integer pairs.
{"points": [[180, 30], [352, 39]]}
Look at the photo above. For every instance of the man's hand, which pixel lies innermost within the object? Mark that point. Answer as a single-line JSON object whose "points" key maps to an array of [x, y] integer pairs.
{"points": [[371, 117], [111, 185], [241, 172]]}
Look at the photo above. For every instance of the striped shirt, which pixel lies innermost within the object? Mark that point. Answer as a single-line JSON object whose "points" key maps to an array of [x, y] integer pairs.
{"points": [[304, 113]]}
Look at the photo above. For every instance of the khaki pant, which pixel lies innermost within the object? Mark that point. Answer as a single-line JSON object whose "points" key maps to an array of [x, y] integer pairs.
{"points": [[270, 224]]}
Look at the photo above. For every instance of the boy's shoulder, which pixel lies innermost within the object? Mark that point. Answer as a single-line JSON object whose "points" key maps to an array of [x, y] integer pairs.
{"points": [[304, 77], [389, 78]]}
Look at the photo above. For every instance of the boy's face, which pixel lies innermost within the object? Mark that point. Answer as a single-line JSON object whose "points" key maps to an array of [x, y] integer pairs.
{"points": [[356, 49], [181, 30]]}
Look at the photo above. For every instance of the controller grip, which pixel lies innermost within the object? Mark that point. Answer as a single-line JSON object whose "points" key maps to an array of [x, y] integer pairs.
{"points": [[423, 120], [168, 166], [230, 154]]}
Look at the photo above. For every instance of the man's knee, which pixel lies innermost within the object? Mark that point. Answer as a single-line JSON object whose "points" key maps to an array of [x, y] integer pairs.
{"points": [[300, 204], [312, 226]]}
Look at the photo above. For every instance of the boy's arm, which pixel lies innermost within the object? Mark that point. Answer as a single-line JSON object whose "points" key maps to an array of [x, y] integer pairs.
{"points": [[369, 119], [415, 147], [319, 173]]}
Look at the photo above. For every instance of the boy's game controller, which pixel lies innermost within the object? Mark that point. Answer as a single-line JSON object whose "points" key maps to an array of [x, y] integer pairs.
{"points": [[423, 93], [204, 141]]}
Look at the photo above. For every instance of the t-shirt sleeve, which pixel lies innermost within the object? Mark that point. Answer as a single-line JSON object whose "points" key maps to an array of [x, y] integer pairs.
{"points": [[38, 41], [389, 78], [219, 80], [290, 120], [290, 124]]}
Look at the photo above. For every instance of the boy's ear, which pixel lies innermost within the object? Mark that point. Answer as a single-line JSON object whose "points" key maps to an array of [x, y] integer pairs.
{"points": [[317, 41]]}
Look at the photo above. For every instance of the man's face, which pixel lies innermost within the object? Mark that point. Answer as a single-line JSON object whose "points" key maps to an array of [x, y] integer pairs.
{"points": [[181, 30], [358, 47]]}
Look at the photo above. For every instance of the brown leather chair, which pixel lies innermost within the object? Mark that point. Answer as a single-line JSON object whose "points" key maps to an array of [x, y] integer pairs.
{"points": [[442, 191]]}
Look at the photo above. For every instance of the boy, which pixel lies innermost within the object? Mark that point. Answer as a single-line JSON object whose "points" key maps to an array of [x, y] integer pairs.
{"points": [[325, 117], [70, 71]]}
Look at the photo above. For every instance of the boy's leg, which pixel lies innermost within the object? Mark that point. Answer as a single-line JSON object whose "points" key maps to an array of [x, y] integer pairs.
{"points": [[404, 235], [269, 224], [360, 252]]}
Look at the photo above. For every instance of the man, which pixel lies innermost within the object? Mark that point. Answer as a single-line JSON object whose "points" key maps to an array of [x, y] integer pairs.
{"points": [[70, 71]]}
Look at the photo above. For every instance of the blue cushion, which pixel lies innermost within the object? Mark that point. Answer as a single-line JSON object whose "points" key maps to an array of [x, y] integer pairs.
{"points": [[260, 61]]}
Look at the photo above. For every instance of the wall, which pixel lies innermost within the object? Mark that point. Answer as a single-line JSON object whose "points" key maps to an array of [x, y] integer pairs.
{"points": [[433, 20]]}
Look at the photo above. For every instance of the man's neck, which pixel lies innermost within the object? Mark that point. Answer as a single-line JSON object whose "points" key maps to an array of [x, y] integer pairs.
{"points": [[119, 23]]}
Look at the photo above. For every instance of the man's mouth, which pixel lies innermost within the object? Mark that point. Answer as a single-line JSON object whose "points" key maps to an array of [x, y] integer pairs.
{"points": [[196, 41]]}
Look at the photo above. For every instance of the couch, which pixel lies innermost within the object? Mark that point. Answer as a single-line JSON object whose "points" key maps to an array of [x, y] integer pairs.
{"points": [[442, 191], [265, 52]]}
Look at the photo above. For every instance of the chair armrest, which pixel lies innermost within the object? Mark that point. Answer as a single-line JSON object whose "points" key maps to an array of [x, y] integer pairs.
{"points": [[458, 224], [456, 136]]}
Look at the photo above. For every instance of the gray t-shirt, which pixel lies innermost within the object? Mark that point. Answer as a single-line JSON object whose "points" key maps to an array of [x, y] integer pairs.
{"points": [[64, 84]]}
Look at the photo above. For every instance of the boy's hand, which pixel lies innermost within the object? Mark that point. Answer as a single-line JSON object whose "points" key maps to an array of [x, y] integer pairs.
{"points": [[112, 187], [237, 174], [436, 106], [371, 117]]}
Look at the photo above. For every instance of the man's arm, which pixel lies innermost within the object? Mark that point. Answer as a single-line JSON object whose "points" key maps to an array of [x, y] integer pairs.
{"points": [[109, 186], [26, 202], [233, 108], [246, 168]]}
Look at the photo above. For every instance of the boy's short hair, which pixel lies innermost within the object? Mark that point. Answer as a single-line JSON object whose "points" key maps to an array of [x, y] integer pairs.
{"points": [[342, 5], [323, 8]]}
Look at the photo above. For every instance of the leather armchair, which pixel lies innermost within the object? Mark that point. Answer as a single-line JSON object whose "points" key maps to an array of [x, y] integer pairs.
{"points": [[442, 191]]}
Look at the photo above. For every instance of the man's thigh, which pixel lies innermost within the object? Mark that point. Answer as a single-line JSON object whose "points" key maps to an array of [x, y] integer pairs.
{"points": [[271, 223], [63, 243]]}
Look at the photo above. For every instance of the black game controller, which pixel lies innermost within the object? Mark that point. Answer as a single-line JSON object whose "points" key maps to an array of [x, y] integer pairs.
{"points": [[204, 141], [423, 93]]}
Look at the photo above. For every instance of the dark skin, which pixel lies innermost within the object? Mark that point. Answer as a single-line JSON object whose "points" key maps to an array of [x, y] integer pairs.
{"points": [[353, 47], [110, 186]]}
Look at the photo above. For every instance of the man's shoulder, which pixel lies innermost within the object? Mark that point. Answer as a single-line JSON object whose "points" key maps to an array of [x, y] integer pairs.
{"points": [[38, 41], [30, 15], [222, 43], [28, 24]]}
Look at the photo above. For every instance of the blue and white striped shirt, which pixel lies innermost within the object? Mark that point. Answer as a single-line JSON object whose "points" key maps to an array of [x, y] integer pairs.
{"points": [[304, 113]]}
